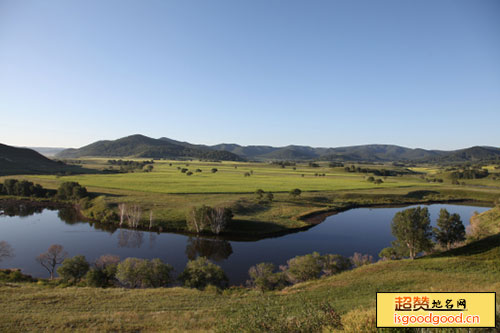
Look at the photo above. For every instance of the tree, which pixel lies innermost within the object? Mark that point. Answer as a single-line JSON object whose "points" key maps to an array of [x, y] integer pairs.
{"points": [[262, 277], [450, 229], [412, 230], [303, 268], [335, 263], [259, 194], [214, 170], [200, 273], [6, 250], [73, 269], [71, 191], [206, 218], [269, 196], [54, 256], [143, 273], [359, 259], [295, 193], [389, 253], [104, 271]]}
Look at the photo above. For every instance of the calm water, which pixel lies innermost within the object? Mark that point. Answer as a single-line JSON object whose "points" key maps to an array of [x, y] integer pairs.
{"points": [[365, 230]]}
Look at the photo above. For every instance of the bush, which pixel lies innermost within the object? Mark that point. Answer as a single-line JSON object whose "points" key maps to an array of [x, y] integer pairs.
{"points": [[104, 271], [295, 193], [335, 263], [71, 191], [389, 253], [214, 170], [360, 320], [14, 275], [143, 273], [359, 259], [73, 269], [200, 273], [303, 268], [262, 277]]}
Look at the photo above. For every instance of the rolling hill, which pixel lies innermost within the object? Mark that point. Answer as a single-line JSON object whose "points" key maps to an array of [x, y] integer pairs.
{"points": [[143, 146], [15, 161]]}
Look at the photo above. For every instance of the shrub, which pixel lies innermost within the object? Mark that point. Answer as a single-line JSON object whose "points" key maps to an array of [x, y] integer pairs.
{"points": [[335, 263], [295, 193], [214, 170], [104, 271], [262, 277], [143, 273], [389, 253], [360, 320], [200, 273], [303, 268], [359, 259], [73, 269], [189, 173]]}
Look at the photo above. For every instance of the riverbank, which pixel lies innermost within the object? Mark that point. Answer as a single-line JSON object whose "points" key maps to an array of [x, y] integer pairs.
{"points": [[38, 307]]}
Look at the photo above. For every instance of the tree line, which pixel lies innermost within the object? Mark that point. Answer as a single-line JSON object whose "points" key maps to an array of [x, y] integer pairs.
{"points": [[24, 188]]}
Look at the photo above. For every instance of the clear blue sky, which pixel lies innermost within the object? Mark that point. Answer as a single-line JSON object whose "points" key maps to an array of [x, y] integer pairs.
{"points": [[320, 73]]}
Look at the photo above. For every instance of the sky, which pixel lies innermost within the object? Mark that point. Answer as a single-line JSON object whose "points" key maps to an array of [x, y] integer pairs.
{"points": [[321, 73]]}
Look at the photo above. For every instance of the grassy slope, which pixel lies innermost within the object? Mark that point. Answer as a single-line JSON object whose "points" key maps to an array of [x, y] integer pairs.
{"points": [[27, 307]]}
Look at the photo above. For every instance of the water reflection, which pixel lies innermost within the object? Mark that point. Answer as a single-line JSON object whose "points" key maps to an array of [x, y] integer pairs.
{"points": [[215, 249], [20, 210], [130, 238]]}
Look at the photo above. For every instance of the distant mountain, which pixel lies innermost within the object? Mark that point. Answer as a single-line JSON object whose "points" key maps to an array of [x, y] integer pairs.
{"points": [[47, 151], [16, 161], [145, 147]]}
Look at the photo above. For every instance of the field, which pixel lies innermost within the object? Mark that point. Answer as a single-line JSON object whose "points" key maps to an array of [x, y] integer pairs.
{"points": [[170, 193]]}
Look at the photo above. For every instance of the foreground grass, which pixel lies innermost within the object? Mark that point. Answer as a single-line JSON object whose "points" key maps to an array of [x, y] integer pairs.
{"points": [[32, 307]]}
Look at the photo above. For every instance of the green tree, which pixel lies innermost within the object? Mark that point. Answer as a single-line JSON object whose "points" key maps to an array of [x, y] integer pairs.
{"points": [[335, 263], [295, 193], [389, 253], [71, 191], [450, 229], [259, 194], [412, 229], [104, 271], [201, 272], [73, 269], [143, 273], [303, 268], [262, 277]]}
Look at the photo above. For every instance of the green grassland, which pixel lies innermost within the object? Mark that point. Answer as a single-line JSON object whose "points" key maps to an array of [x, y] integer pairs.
{"points": [[37, 307], [169, 193]]}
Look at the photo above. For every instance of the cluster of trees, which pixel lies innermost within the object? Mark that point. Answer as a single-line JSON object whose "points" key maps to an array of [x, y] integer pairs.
{"points": [[108, 271], [264, 276], [131, 166], [470, 173], [261, 196], [375, 181], [283, 164], [23, 188], [414, 234], [378, 172], [206, 219], [336, 165]]}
